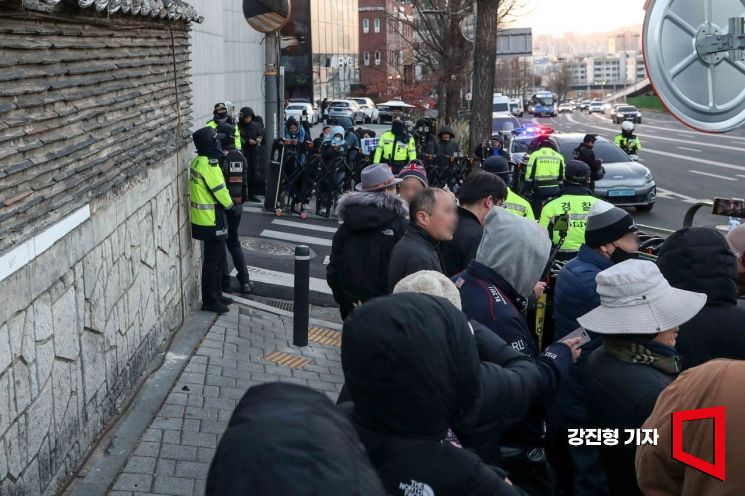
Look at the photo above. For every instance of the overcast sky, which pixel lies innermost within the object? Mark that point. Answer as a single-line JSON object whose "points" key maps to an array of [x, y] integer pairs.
{"points": [[557, 17]]}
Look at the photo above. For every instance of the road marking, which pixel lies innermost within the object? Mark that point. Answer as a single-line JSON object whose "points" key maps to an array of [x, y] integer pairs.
{"points": [[302, 225], [299, 238], [671, 195], [327, 260], [689, 149], [267, 276], [714, 175], [694, 159], [741, 175], [695, 133]]}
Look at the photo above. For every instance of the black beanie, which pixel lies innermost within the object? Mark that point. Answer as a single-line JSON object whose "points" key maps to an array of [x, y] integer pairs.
{"points": [[606, 224]]}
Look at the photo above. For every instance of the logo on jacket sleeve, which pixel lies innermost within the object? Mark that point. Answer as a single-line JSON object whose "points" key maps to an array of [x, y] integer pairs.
{"points": [[416, 489]]}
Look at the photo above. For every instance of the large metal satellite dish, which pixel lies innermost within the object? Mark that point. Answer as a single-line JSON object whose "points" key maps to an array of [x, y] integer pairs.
{"points": [[266, 16], [694, 52]]}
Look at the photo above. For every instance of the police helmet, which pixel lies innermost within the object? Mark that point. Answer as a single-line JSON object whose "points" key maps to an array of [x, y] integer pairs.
{"points": [[497, 165], [577, 172], [627, 126]]}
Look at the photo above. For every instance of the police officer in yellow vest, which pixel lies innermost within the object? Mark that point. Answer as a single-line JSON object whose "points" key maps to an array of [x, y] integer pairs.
{"points": [[514, 203], [627, 140], [544, 172], [395, 147], [575, 200], [209, 201], [221, 114]]}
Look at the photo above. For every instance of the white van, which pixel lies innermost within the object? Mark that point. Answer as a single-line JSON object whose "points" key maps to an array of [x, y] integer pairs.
{"points": [[516, 107], [500, 105]]}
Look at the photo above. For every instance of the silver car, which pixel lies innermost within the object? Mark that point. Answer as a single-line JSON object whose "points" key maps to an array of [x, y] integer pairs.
{"points": [[372, 114], [346, 108]]}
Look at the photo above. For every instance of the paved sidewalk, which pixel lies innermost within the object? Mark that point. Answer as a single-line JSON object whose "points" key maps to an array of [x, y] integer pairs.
{"points": [[173, 455]]}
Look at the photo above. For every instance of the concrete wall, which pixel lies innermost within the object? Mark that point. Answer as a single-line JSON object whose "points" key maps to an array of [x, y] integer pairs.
{"points": [[82, 322], [227, 60]]}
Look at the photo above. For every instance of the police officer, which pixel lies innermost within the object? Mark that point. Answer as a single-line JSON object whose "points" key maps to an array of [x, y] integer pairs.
{"points": [[544, 172], [220, 114], [234, 169], [627, 140], [586, 153], [395, 147], [576, 200], [513, 202], [210, 200]]}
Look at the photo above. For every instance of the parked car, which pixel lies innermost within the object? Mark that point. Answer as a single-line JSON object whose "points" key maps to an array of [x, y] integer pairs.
{"points": [[596, 107], [626, 113], [626, 183], [504, 124], [372, 114], [296, 110], [391, 110], [346, 108], [566, 107], [584, 104]]}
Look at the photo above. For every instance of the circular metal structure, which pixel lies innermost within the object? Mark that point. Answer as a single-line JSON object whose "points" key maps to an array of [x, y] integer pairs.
{"points": [[268, 247], [707, 91]]}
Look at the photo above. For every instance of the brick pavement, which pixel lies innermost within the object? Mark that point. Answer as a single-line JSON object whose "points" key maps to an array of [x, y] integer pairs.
{"points": [[173, 455]]}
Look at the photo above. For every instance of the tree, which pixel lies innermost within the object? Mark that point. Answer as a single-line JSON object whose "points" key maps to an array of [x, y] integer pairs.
{"points": [[560, 81], [490, 14]]}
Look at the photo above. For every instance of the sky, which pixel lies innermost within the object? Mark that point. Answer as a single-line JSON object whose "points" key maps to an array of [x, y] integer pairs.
{"points": [[556, 17]]}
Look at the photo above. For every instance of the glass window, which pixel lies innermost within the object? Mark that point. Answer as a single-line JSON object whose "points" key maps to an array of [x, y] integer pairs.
{"points": [[377, 57], [367, 58], [365, 25], [377, 25]]}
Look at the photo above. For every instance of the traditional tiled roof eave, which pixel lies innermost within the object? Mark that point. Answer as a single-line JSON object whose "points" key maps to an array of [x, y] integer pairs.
{"points": [[171, 10]]}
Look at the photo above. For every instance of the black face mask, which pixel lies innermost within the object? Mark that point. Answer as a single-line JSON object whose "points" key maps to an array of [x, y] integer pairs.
{"points": [[221, 116], [620, 255]]}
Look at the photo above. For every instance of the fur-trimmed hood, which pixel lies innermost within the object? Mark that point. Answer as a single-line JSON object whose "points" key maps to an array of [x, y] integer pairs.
{"points": [[364, 210]]}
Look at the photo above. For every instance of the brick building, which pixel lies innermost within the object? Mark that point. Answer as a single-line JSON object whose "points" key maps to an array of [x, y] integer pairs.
{"points": [[385, 46]]}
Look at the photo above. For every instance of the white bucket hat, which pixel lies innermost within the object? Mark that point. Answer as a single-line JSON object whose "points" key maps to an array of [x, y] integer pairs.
{"points": [[636, 299], [432, 283]]}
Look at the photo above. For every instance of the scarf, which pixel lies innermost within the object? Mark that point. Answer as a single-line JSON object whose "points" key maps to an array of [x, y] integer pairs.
{"points": [[631, 349]]}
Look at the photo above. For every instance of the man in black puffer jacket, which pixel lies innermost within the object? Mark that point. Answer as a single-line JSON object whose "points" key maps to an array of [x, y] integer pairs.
{"points": [[290, 440], [699, 259], [373, 220], [413, 371]]}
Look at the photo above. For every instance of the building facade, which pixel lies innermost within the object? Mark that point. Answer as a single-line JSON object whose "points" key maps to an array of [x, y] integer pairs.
{"points": [[319, 49], [385, 34]]}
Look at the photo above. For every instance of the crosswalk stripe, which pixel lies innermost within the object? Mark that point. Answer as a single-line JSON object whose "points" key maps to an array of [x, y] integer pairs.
{"points": [[277, 278], [299, 238], [303, 225]]}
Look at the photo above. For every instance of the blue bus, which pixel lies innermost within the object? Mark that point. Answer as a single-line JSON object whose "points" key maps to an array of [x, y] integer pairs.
{"points": [[544, 104]]}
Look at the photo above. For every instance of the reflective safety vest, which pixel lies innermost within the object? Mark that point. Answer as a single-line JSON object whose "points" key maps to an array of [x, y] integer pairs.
{"points": [[518, 205], [238, 143], [545, 169], [578, 207], [630, 145], [208, 195], [390, 150]]}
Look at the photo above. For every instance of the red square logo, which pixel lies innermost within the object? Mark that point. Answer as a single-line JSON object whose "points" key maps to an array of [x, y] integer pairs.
{"points": [[716, 469]]}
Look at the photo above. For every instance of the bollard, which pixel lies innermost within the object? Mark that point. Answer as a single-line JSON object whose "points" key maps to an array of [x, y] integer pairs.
{"points": [[301, 308]]}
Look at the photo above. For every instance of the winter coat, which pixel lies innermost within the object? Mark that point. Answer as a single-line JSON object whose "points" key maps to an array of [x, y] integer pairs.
{"points": [[699, 259], [287, 439], [575, 295], [488, 299], [462, 248], [620, 395], [657, 472], [372, 224], [412, 368], [441, 149], [250, 131], [416, 251], [586, 154]]}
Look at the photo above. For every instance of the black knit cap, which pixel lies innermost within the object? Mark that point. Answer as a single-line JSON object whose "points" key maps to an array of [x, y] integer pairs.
{"points": [[606, 224]]}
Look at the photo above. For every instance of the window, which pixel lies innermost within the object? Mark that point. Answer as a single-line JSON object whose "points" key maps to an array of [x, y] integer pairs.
{"points": [[377, 57], [366, 58], [377, 25], [365, 25]]}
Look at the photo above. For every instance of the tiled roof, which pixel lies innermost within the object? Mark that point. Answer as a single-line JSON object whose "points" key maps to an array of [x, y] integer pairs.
{"points": [[172, 10]]}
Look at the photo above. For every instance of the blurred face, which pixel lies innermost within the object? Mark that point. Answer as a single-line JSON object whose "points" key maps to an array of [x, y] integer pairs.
{"points": [[442, 222], [590, 144], [292, 128], [667, 337], [409, 188], [629, 243], [445, 137], [326, 131], [248, 119]]}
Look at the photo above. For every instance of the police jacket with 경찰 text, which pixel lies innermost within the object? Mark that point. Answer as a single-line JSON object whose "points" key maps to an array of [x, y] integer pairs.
{"points": [[208, 197], [575, 201], [412, 368], [415, 251]]}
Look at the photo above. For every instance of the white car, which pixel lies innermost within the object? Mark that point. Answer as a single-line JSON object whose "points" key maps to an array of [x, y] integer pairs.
{"points": [[596, 107], [566, 107], [372, 114], [296, 110], [346, 108]]}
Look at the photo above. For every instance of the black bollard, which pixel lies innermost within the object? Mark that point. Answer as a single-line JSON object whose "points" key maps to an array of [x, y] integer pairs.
{"points": [[302, 289]]}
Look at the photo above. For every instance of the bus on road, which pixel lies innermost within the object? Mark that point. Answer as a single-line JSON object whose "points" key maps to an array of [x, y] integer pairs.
{"points": [[544, 104]]}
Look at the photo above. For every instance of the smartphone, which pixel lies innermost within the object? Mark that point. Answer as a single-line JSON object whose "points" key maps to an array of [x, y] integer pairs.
{"points": [[730, 207], [580, 333]]}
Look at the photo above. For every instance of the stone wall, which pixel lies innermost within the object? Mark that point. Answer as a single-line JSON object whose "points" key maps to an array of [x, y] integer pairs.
{"points": [[82, 322], [94, 113]]}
